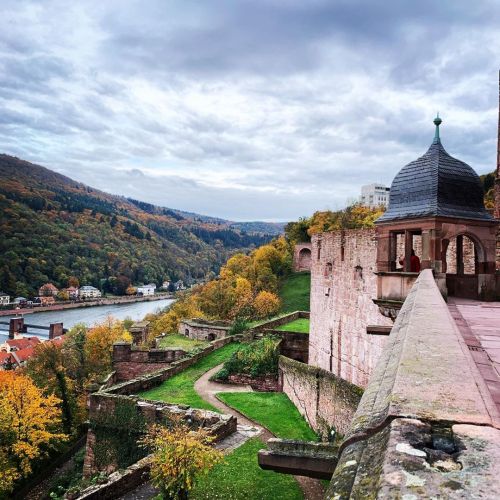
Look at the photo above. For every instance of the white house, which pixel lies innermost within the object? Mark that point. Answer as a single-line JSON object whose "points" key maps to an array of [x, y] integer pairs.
{"points": [[375, 195], [88, 292], [145, 290], [4, 299]]}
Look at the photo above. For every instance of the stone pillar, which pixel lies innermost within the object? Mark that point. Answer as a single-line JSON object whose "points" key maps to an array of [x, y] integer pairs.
{"points": [[121, 351], [460, 254], [408, 248], [55, 330], [16, 325]]}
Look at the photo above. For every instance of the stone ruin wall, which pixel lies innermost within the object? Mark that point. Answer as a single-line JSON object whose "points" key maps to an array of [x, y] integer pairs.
{"points": [[130, 362], [327, 402], [343, 285], [200, 331]]}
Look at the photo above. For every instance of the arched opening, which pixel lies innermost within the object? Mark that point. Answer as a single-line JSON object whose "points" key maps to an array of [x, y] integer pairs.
{"points": [[460, 255], [186, 332], [305, 259], [210, 337], [328, 270]]}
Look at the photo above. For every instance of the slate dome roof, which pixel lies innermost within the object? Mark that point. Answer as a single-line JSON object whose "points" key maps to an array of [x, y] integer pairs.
{"points": [[436, 185]]}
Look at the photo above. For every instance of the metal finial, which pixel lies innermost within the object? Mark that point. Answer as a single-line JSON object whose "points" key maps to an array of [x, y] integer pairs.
{"points": [[437, 122]]}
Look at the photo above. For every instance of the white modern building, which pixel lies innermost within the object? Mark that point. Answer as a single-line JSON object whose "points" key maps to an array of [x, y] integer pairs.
{"points": [[88, 292], [4, 299], [145, 290], [375, 195]]}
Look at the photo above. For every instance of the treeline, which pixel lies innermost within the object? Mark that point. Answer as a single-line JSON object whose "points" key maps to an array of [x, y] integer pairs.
{"points": [[54, 228]]}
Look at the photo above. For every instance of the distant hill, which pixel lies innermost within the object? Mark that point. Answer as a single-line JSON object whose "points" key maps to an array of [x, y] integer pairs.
{"points": [[53, 228]]}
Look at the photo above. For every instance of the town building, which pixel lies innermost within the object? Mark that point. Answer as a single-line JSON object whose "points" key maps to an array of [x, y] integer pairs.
{"points": [[89, 292], [179, 285], [45, 300], [165, 285], [48, 290], [375, 195], [4, 299], [146, 290], [72, 292]]}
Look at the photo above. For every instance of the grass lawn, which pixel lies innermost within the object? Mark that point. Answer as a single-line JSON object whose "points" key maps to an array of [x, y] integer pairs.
{"points": [[272, 410], [240, 478], [180, 388], [176, 340], [300, 325], [294, 292]]}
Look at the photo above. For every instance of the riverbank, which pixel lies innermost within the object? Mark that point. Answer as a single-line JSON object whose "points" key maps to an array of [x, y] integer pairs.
{"points": [[103, 301]]}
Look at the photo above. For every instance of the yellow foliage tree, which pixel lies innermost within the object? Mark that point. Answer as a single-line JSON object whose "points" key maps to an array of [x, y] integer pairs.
{"points": [[266, 304], [29, 424], [243, 298], [99, 346], [185, 307], [179, 457]]}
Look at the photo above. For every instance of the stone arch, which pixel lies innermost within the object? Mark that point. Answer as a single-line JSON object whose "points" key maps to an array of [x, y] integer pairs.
{"points": [[303, 258]]}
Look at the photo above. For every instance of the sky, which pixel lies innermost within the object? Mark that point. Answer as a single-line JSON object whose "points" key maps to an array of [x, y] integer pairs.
{"points": [[246, 110]]}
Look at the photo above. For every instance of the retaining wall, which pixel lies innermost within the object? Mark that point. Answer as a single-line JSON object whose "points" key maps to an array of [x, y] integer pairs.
{"points": [[324, 400]]}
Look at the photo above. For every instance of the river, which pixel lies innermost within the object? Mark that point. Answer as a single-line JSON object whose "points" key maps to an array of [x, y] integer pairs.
{"points": [[87, 315]]}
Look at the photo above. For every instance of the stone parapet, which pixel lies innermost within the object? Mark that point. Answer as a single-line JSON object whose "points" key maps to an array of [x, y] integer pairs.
{"points": [[426, 425]]}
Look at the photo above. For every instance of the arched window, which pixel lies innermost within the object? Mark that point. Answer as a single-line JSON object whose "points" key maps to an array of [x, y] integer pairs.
{"points": [[328, 270]]}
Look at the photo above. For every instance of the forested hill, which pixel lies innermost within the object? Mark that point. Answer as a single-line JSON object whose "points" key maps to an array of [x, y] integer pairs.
{"points": [[53, 228]]}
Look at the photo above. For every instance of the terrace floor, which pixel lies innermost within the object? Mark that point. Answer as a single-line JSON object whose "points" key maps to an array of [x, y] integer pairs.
{"points": [[479, 323]]}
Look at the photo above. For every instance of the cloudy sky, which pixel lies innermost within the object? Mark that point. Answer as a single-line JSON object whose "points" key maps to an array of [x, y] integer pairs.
{"points": [[246, 110]]}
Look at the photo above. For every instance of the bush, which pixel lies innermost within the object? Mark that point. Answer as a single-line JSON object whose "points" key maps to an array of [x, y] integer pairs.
{"points": [[239, 326], [256, 359]]}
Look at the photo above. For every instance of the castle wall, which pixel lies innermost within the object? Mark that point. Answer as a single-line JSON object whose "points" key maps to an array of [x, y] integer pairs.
{"points": [[343, 285], [327, 402]]}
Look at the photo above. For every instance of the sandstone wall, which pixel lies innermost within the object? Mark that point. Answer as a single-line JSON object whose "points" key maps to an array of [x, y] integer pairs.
{"points": [[324, 400], [302, 257], [343, 285], [200, 331], [130, 362]]}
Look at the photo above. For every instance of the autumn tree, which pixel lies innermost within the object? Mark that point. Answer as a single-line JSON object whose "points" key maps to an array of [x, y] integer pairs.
{"points": [[29, 426], [46, 368], [179, 457], [73, 281], [266, 304], [99, 346], [185, 307]]}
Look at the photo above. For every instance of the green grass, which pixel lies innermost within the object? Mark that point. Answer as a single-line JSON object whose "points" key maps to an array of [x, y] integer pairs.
{"points": [[295, 291], [300, 325], [176, 340], [272, 410], [241, 478], [180, 388]]}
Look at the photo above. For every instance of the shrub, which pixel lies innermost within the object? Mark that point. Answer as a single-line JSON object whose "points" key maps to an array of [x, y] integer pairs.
{"points": [[256, 359], [239, 326]]}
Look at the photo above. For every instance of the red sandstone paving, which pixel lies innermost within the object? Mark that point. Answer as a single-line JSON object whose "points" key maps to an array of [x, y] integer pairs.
{"points": [[479, 323]]}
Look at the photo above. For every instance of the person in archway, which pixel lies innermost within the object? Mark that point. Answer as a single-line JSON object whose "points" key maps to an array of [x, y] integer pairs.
{"points": [[414, 262]]}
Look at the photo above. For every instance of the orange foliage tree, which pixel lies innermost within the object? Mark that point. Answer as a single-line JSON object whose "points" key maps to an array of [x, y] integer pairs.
{"points": [[29, 425]]}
